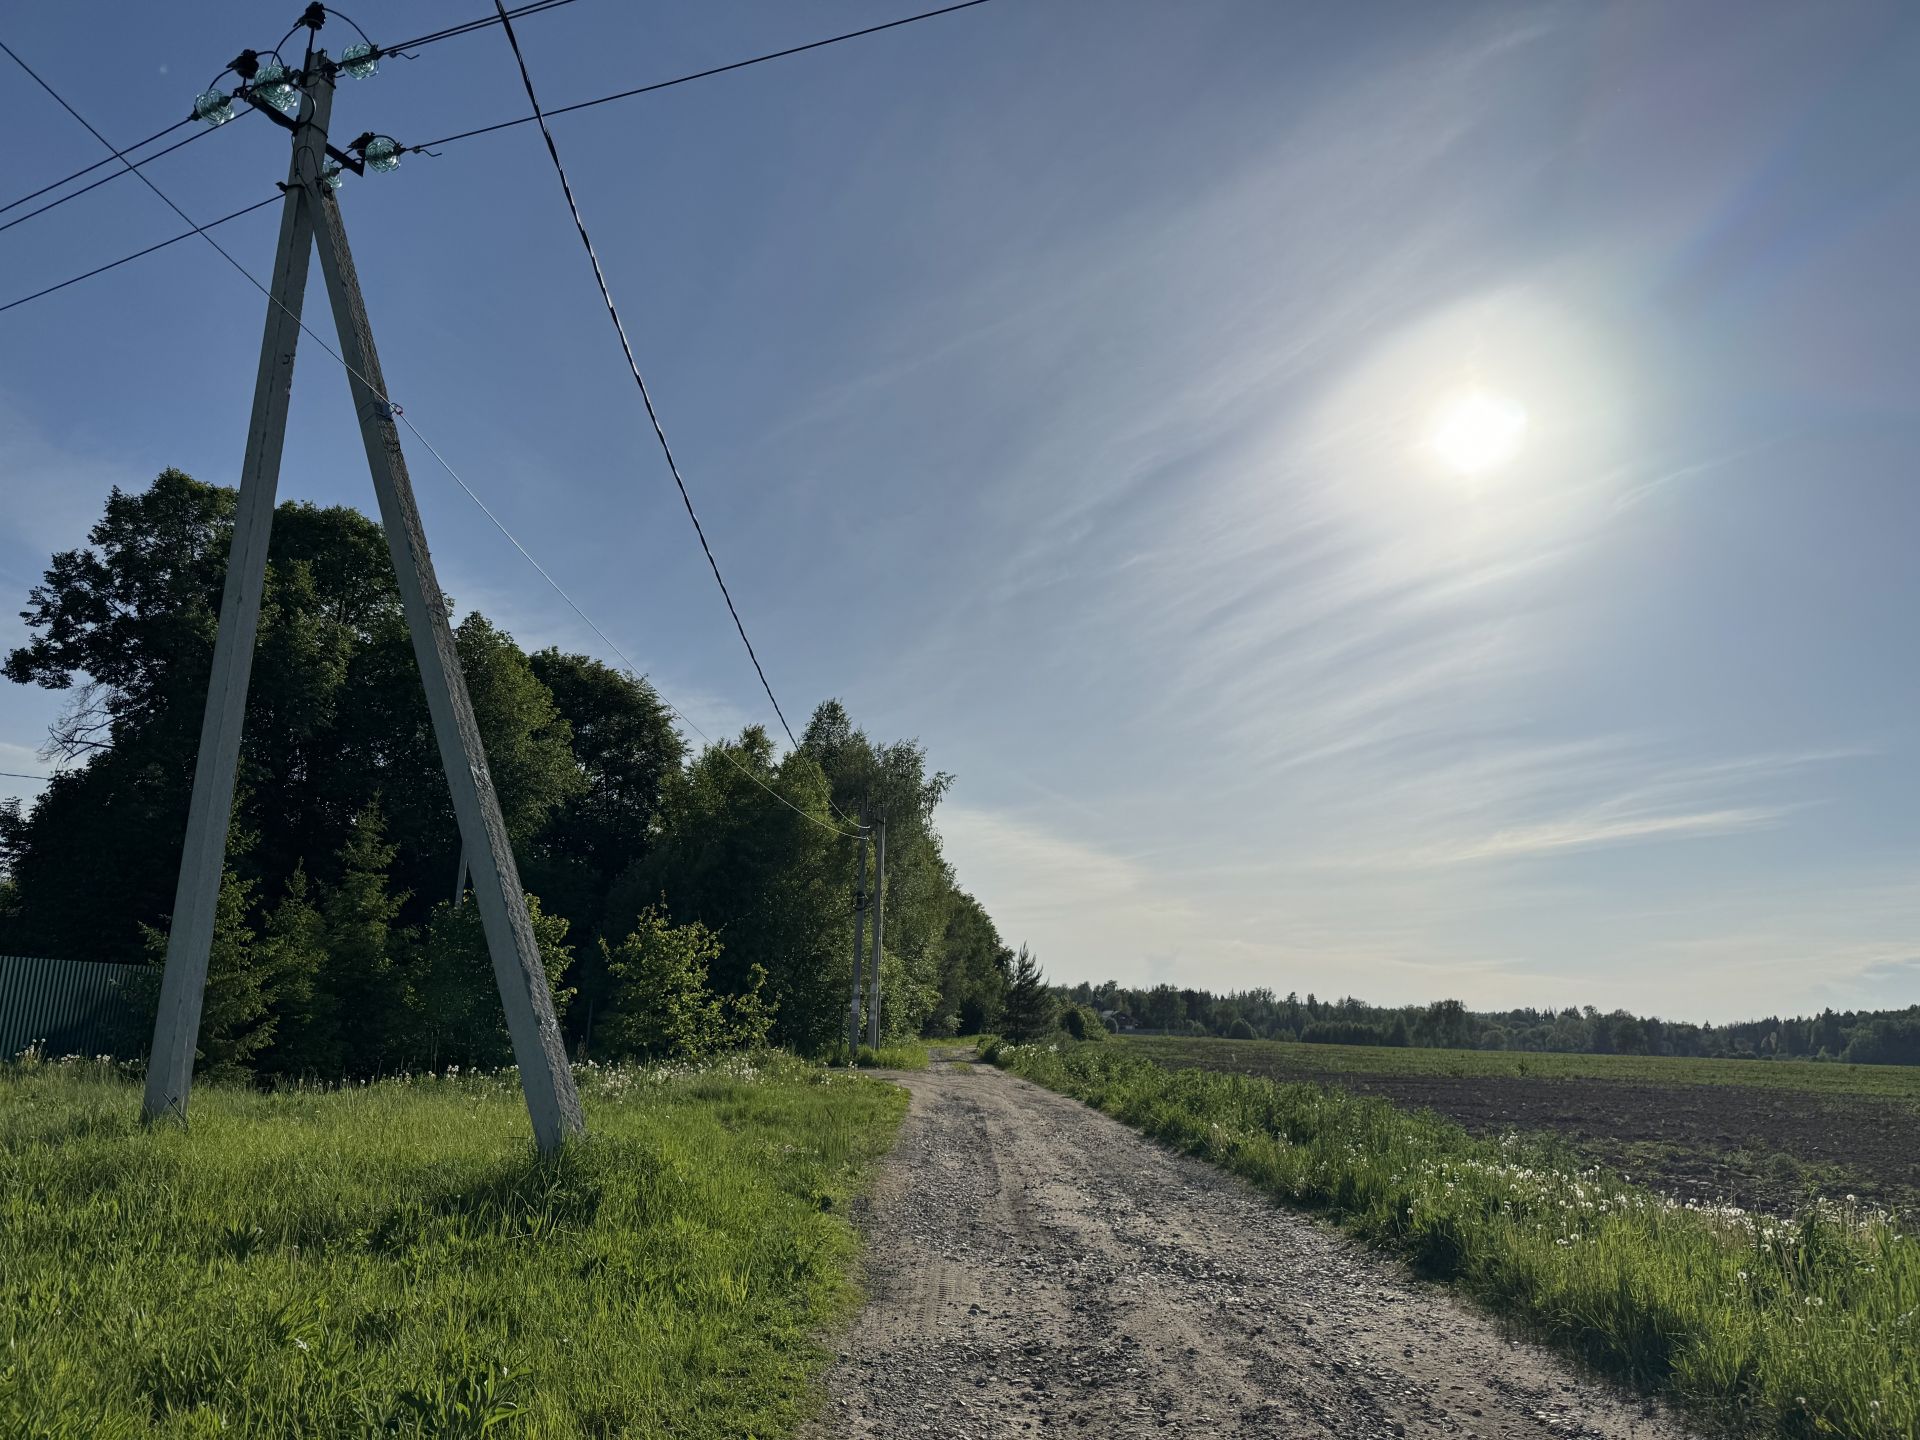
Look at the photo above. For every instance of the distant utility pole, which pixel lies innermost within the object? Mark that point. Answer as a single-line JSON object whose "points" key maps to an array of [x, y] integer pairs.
{"points": [[879, 930], [311, 219], [859, 938]]}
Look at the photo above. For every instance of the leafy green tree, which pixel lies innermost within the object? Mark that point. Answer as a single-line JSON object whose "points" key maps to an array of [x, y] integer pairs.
{"points": [[746, 851], [627, 750], [663, 1008], [454, 1014], [1030, 1007]]}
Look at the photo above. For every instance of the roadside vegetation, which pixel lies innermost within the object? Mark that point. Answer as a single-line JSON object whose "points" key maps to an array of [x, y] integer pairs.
{"points": [[1282, 1058], [1796, 1328], [341, 953], [393, 1259], [1765, 1137]]}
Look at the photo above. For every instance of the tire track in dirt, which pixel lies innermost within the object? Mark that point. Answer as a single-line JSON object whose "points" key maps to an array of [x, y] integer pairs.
{"points": [[1034, 1267]]}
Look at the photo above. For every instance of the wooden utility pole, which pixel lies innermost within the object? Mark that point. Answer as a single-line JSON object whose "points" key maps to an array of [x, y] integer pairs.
{"points": [[859, 938], [879, 930], [552, 1102]]}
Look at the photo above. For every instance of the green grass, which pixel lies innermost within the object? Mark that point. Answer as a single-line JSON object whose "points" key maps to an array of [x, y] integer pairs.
{"points": [[1281, 1058], [395, 1260], [900, 1055], [1799, 1328]]}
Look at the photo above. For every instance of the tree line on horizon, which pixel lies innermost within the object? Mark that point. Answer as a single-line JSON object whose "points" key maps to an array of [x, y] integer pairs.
{"points": [[1872, 1037], [680, 905]]}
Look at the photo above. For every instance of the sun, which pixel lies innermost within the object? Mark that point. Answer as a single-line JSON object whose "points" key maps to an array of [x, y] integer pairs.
{"points": [[1477, 431]]}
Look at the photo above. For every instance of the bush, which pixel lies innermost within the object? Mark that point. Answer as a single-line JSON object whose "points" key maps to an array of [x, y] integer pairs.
{"points": [[1082, 1023], [663, 1008], [1241, 1030]]}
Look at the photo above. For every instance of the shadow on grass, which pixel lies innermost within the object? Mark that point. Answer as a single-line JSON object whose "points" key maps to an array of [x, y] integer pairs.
{"points": [[527, 1197]]}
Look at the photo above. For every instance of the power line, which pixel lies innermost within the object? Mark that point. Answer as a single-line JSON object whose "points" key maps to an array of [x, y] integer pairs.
{"points": [[613, 313], [465, 28], [503, 125], [633, 672], [89, 169], [465, 488], [22, 775], [161, 245], [55, 204], [700, 74], [532, 9]]}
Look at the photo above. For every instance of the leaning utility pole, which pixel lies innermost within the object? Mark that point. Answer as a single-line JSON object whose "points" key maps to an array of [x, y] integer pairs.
{"points": [[312, 216], [859, 938], [879, 931]]}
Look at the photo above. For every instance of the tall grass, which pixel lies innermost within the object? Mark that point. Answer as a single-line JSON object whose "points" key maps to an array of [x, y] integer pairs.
{"points": [[1803, 1328], [395, 1260]]}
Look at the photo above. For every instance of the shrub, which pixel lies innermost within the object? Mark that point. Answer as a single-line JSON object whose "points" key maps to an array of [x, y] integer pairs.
{"points": [[1082, 1023], [1241, 1030]]}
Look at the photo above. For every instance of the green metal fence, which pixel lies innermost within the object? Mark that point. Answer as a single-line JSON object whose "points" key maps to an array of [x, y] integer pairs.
{"points": [[68, 1007]]}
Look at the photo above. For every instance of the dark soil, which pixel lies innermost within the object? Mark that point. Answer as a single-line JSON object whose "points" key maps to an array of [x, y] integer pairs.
{"points": [[1760, 1148]]}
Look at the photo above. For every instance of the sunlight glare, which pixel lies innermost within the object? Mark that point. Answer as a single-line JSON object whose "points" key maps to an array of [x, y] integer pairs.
{"points": [[1477, 431]]}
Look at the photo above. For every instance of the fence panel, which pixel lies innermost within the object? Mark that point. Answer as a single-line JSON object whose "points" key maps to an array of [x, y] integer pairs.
{"points": [[67, 1007]]}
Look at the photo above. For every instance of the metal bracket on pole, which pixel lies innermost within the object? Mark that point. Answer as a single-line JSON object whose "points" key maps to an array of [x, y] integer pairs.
{"points": [[176, 1026]]}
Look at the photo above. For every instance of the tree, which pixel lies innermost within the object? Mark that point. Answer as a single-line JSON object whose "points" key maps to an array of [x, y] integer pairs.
{"points": [[453, 1008], [663, 1008], [295, 939], [973, 968], [749, 850], [1029, 1007], [358, 1016], [236, 1013]]}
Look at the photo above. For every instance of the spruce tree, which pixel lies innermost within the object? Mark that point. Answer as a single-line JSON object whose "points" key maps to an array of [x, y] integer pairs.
{"points": [[1029, 1009]]}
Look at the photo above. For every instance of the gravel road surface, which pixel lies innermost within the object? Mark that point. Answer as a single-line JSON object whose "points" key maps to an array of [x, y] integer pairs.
{"points": [[1036, 1268]]}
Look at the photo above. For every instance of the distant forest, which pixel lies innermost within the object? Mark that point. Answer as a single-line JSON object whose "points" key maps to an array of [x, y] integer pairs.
{"points": [[1871, 1037]]}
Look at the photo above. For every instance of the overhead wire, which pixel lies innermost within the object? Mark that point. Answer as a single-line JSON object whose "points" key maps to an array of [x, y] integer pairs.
{"points": [[626, 346], [476, 24], [509, 124], [58, 201], [22, 775], [89, 169], [724, 750], [469, 26], [158, 245], [700, 74]]}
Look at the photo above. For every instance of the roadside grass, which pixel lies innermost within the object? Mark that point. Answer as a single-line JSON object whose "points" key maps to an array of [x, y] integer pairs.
{"points": [[1800, 1328], [1280, 1058], [900, 1055], [395, 1259]]}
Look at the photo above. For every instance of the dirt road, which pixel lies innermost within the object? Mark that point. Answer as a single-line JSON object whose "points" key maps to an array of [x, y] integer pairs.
{"points": [[1035, 1267]]}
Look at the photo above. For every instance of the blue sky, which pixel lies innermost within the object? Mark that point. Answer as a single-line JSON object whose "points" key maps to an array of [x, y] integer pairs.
{"points": [[1054, 380]]}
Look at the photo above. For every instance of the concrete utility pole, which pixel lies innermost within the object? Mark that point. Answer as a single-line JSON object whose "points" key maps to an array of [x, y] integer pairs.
{"points": [[552, 1102], [859, 938], [176, 1029], [879, 931]]}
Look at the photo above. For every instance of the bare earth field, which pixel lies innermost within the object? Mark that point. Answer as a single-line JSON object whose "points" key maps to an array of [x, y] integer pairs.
{"points": [[1763, 1135], [1035, 1267]]}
